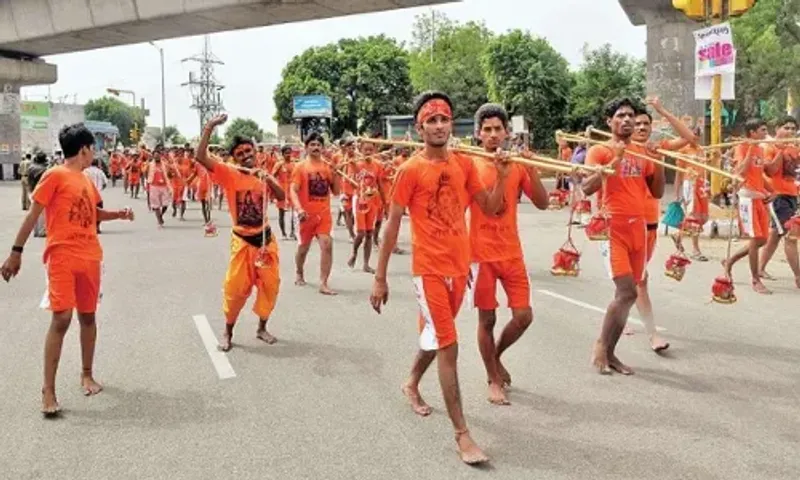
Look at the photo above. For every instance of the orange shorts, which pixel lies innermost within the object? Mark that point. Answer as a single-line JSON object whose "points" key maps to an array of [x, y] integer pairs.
{"points": [[133, 179], [625, 252], [439, 300], [513, 276], [652, 238], [177, 193], [347, 203], [203, 193], [313, 226], [754, 217], [73, 284], [365, 215], [283, 204]]}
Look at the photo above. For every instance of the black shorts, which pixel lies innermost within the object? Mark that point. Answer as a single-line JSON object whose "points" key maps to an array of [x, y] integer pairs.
{"points": [[785, 206]]}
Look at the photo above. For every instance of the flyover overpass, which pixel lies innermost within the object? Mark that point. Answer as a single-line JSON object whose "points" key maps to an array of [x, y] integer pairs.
{"points": [[30, 29], [670, 54]]}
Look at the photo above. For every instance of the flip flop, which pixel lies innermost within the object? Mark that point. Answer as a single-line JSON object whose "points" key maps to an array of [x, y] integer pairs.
{"points": [[699, 257], [660, 348]]}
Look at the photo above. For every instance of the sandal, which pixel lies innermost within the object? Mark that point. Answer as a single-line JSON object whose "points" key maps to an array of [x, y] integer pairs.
{"points": [[699, 257]]}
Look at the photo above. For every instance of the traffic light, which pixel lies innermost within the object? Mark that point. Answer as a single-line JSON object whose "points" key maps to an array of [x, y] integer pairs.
{"points": [[694, 9], [740, 7], [134, 133]]}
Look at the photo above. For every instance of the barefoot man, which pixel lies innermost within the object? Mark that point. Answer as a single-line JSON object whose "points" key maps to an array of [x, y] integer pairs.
{"points": [[436, 186], [497, 251], [625, 194], [367, 204], [313, 183], [643, 129], [749, 162], [252, 240], [784, 158], [72, 254]]}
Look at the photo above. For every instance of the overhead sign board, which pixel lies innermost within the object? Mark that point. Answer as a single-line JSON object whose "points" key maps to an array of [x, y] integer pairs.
{"points": [[313, 106], [34, 115]]}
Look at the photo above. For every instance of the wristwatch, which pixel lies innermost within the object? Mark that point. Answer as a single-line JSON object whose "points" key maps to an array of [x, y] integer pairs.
{"points": [[17, 249]]}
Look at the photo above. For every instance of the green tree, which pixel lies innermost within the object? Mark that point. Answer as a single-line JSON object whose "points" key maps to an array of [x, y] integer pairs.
{"points": [[109, 109], [531, 79], [603, 75], [367, 78], [269, 137], [173, 136], [243, 127], [767, 60], [446, 56]]}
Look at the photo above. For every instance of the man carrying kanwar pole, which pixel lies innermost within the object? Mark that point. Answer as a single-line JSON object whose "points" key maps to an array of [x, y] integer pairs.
{"points": [[784, 159], [624, 195], [497, 251], [254, 251], [642, 131], [754, 198], [367, 204], [313, 183], [436, 186], [72, 255]]}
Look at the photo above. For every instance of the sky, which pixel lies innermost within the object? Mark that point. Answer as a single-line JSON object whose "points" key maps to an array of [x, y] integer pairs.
{"points": [[254, 58]]}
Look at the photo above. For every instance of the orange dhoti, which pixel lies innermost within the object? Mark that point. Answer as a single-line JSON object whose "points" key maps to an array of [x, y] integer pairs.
{"points": [[243, 275]]}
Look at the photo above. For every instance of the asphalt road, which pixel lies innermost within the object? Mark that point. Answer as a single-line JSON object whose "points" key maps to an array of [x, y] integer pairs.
{"points": [[324, 403]]}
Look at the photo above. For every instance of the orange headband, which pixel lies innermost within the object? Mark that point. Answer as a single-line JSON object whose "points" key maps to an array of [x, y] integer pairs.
{"points": [[434, 107]]}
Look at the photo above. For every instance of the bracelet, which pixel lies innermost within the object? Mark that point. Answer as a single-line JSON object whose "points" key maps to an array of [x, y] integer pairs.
{"points": [[16, 249]]}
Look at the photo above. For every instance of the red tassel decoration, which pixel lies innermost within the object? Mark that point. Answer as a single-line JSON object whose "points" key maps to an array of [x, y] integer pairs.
{"points": [[598, 228], [263, 258], [210, 230], [692, 227], [555, 201], [566, 261], [722, 290], [675, 267], [583, 206]]}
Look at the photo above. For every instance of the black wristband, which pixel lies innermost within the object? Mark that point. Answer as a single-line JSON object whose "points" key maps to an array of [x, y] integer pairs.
{"points": [[16, 249]]}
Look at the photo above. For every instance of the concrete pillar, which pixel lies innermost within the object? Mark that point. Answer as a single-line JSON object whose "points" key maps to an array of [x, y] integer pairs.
{"points": [[15, 73], [670, 61]]}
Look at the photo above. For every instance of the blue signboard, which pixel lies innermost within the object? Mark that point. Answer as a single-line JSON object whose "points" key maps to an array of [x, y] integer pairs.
{"points": [[313, 106]]}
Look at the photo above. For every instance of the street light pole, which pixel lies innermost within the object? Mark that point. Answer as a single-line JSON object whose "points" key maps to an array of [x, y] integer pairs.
{"points": [[117, 91], [163, 94]]}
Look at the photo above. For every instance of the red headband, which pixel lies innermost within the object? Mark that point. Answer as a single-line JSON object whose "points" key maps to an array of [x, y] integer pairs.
{"points": [[434, 107]]}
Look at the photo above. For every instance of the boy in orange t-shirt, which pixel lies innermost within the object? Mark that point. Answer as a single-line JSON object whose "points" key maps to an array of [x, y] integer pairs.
{"points": [[436, 186], [783, 158], [497, 252], [625, 197], [72, 255], [313, 183], [754, 196], [283, 172], [254, 251]]}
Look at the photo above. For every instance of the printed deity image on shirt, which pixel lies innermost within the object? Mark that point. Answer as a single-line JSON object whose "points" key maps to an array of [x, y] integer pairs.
{"points": [[444, 205], [249, 208], [80, 212], [318, 186]]}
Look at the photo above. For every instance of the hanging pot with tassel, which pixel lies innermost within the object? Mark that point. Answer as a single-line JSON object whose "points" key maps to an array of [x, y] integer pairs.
{"points": [[566, 261], [554, 201], [692, 226], [676, 264], [722, 290]]}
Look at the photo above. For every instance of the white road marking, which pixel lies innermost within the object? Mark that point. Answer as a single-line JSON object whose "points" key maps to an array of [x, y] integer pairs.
{"points": [[219, 359], [588, 306]]}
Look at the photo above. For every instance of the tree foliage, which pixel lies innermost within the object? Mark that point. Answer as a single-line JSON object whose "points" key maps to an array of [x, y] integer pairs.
{"points": [[531, 79], [110, 109], [366, 78], [243, 127], [767, 60], [603, 75], [446, 56], [171, 135]]}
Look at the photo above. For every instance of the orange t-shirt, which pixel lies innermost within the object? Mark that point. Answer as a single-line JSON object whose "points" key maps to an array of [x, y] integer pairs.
{"points": [[368, 175], [627, 190], [114, 165], [436, 195], [566, 154], [283, 173], [496, 238], [754, 174], [203, 178], [781, 183], [70, 202], [245, 195], [135, 168], [158, 177], [314, 180], [350, 170]]}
